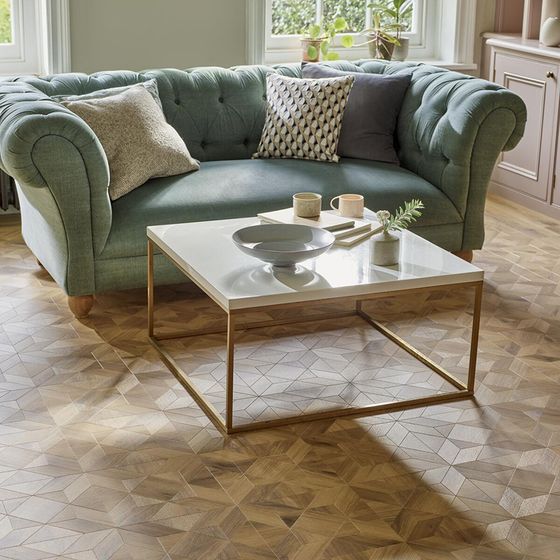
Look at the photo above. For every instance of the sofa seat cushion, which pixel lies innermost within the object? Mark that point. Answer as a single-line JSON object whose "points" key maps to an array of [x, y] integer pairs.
{"points": [[241, 188]]}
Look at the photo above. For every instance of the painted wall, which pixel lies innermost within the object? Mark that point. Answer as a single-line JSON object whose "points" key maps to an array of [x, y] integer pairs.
{"points": [[139, 34], [485, 15]]}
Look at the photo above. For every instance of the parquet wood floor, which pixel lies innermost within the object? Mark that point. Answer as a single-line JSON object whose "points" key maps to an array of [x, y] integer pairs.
{"points": [[104, 456]]}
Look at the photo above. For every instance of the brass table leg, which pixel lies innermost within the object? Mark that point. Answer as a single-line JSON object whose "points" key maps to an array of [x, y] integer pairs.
{"points": [[230, 380], [227, 426], [474, 335], [150, 289]]}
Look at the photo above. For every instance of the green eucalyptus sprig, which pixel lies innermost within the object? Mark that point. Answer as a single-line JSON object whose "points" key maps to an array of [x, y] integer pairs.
{"points": [[402, 218]]}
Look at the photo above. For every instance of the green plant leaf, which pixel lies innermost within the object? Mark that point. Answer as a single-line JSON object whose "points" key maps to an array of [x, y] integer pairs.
{"points": [[403, 217], [325, 47], [388, 38], [347, 41], [381, 12], [333, 56], [340, 24], [314, 31], [312, 52]]}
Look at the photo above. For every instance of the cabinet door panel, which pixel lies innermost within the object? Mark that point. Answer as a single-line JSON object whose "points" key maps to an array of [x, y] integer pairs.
{"points": [[527, 168], [556, 191]]}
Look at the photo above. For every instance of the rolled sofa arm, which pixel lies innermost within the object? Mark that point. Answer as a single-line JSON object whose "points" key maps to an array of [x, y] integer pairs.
{"points": [[62, 174], [451, 131]]}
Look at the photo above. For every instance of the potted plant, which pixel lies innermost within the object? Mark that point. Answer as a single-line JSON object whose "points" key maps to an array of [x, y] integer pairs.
{"points": [[381, 42], [396, 13], [385, 246], [318, 39]]}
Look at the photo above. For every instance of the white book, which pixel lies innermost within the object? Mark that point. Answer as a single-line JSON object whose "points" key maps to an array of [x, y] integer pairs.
{"points": [[327, 220], [360, 226], [352, 240]]}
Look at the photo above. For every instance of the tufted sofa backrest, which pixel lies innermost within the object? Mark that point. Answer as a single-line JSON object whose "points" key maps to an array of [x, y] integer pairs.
{"points": [[220, 112]]}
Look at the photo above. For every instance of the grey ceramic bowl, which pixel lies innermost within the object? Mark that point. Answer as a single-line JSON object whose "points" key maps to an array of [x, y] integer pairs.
{"points": [[283, 244]]}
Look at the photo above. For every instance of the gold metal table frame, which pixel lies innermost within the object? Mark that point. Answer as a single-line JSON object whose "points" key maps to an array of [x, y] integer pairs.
{"points": [[226, 425]]}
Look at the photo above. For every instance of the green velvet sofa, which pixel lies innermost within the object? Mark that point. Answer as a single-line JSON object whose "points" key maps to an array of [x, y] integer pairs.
{"points": [[450, 132]]}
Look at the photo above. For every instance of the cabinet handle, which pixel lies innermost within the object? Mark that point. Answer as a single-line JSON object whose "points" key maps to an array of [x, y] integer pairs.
{"points": [[550, 74]]}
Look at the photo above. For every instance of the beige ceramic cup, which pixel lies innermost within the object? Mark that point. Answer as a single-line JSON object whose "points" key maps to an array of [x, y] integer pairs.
{"points": [[349, 205], [307, 205]]}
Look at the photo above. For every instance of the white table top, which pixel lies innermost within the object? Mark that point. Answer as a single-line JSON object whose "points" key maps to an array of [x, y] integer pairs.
{"points": [[205, 252]]}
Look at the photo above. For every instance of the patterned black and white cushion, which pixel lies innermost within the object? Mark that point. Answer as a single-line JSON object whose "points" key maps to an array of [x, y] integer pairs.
{"points": [[303, 117]]}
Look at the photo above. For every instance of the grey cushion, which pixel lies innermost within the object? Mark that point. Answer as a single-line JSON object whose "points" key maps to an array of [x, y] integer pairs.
{"points": [[370, 118]]}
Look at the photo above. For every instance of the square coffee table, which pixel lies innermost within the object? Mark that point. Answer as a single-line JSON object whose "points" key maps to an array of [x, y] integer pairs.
{"points": [[240, 284]]}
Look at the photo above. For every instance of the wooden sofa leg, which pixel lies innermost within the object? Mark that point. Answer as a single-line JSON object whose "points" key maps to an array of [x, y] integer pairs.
{"points": [[80, 305], [40, 263], [465, 255]]}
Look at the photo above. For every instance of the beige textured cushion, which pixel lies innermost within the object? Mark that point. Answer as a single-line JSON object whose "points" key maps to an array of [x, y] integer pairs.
{"points": [[137, 140]]}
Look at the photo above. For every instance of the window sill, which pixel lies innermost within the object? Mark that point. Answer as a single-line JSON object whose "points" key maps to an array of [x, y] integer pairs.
{"points": [[276, 59]]}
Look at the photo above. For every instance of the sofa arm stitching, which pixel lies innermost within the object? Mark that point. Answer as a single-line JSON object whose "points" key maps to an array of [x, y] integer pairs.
{"points": [[515, 116], [55, 198], [448, 197]]}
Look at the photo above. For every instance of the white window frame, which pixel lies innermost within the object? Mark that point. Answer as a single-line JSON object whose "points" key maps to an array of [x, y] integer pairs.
{"points": [[22, 54], [282, 45], [444, 36], [40, 38]]}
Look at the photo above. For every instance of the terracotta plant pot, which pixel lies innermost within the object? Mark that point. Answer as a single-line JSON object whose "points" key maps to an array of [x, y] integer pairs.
{"points": [[379, 47], [305, 44]]}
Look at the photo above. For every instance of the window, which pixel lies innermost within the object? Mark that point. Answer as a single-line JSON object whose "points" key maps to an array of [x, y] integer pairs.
{"points": [[19, 46], [440, 31], [33, 36], [291, 17], [6, 33], [286, 20]]}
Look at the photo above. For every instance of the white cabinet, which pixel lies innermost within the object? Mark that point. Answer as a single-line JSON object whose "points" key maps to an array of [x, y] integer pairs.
{"points": [[527, 173]]}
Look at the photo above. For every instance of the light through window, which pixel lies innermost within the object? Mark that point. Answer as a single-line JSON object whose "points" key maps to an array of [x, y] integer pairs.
{"points": [[293, 17], [6, 34]]}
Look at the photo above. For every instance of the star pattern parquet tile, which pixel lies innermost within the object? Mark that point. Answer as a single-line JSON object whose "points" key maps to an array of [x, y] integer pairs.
{"points": [[104, 456], [309, 367]]}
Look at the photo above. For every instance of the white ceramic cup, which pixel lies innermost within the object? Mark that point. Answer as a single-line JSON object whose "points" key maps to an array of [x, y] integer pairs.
{"points": [[307, 205], [349, 205]]}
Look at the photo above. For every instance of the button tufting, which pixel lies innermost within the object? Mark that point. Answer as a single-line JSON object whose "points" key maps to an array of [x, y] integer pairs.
{"points": [[221, 99], [203, 144], [246, 141], [177, 102]]}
